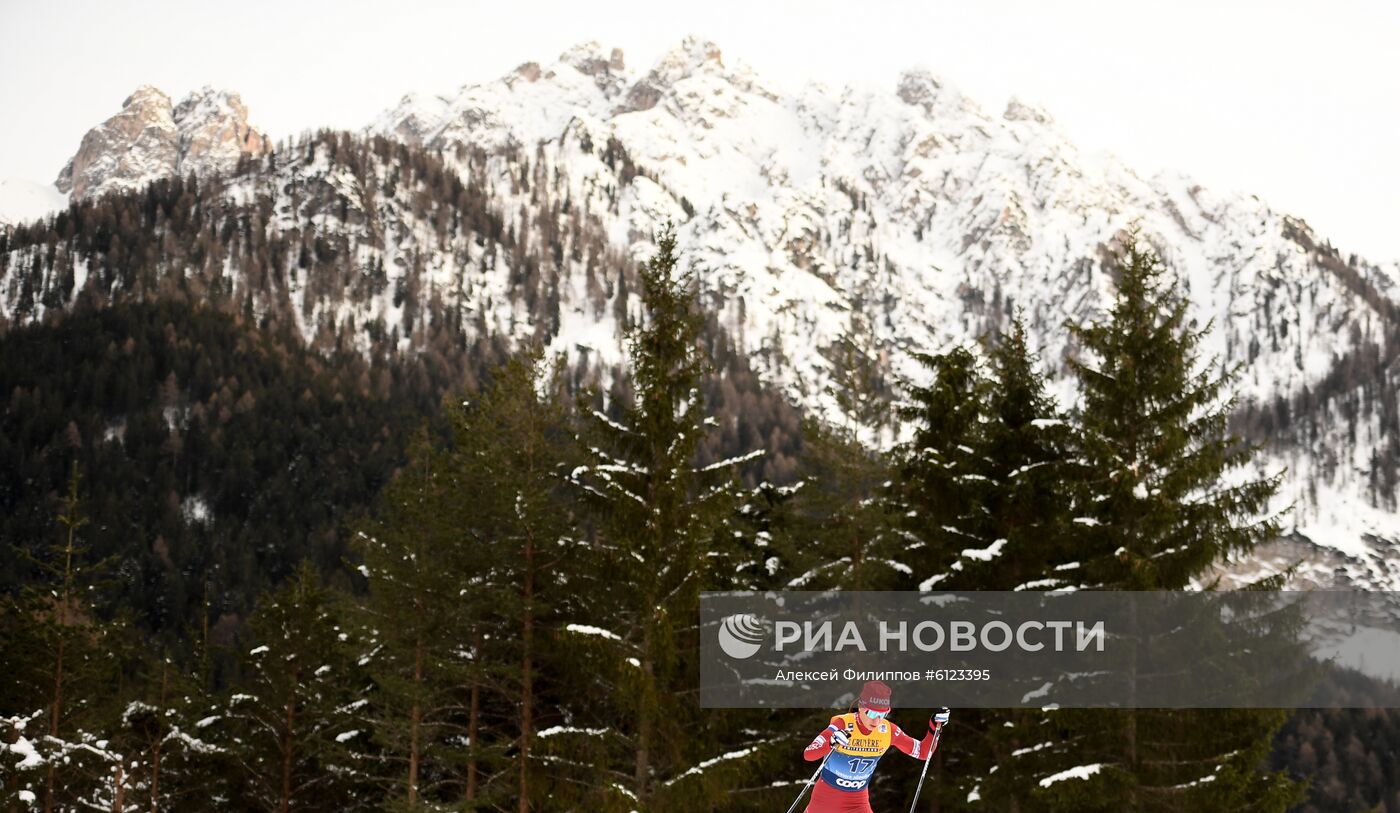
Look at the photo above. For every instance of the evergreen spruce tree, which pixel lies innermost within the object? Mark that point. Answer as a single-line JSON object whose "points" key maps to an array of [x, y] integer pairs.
{"points": [[290, 728], [772, 539], [940, 489], [1158, 452], [425, 626], [512, 452], [66, 660], [170, 761], [1029, 468], [842, 516], [662, 539], [859, 386], [1024, 462], [985, 480], [1159, 507]]}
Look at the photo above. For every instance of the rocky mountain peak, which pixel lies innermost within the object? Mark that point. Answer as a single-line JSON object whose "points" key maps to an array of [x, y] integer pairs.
{"points": [[589, 58], [133, 147], [214, 131], [606, 67], [918, 86], [1017, 110], [147, 97], [149, 139], [692, 57], [911, 205], [694, 53]]}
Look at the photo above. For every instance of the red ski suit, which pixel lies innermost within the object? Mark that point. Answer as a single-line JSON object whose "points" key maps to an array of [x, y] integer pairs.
{"points": [[844, 783]]}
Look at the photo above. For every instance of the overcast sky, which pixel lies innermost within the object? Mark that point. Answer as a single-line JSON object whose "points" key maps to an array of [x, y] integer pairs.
{"points": [[1298, 102]]}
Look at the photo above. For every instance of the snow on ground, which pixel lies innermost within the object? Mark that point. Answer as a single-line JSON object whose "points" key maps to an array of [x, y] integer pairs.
{"points": [[194, 509]]}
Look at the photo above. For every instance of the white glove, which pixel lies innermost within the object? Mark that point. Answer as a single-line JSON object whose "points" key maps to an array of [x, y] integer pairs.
{"points": [[941, 716], [839, 736]]}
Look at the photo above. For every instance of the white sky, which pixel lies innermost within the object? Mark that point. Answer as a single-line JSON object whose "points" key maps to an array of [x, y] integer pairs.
{"points": [[1298, 102]]}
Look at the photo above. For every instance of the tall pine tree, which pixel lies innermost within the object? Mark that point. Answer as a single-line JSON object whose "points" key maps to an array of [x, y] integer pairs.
{"points": [[940, 489], [1162, 502], [66, 661], [660, 518], [291, 728], [512, 452], [1024, 470], [1029, 466], [425, 625]]}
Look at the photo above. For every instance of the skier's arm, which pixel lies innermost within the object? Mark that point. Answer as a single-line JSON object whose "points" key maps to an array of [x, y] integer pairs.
{"points": [[924, 749], [918, 749], [821, 746]]}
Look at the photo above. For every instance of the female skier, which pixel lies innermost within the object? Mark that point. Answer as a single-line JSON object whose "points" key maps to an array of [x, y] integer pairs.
{"points": [[856, 742]]}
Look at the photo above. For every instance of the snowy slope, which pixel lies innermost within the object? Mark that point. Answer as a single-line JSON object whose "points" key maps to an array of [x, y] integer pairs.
{"points": [[22, 201]]}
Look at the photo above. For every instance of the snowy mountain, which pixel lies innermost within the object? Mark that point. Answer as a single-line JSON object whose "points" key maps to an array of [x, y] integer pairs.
{"points": [[22, 201], [936, 219], [912, 207], [915, 206], [207, 131]]}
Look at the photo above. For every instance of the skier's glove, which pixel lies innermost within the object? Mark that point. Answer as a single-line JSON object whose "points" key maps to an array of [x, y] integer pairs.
{"points": [[939, 717], [839, 736]]}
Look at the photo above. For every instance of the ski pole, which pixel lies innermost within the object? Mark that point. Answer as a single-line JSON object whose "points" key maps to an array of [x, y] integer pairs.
{"points": [[810, 782], [936, 734], [933, 749]]}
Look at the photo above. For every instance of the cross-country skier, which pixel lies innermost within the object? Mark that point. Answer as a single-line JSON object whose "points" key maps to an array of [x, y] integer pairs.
{"points": [[856, 742]]}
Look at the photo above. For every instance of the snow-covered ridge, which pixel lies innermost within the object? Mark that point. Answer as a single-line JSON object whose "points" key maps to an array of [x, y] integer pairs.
{"points": [[914, 205], [375, 250], [932, 218]]}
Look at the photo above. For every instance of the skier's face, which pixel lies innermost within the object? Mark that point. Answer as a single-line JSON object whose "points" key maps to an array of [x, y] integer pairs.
{"points": [[871, 717]]}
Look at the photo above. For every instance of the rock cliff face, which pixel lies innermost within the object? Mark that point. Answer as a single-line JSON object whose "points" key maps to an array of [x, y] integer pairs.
{"points": [[214, 131], [151, 139]]}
